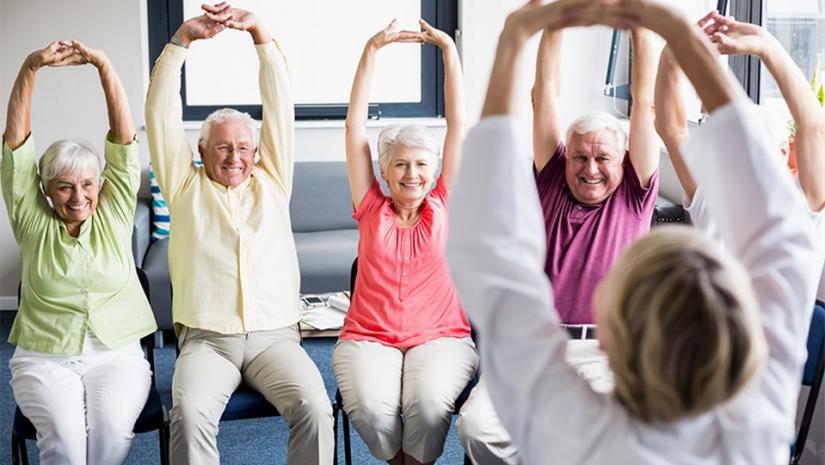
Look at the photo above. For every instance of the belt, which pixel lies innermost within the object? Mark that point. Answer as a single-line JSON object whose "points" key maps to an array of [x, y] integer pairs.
{"points": [[581, 331]]}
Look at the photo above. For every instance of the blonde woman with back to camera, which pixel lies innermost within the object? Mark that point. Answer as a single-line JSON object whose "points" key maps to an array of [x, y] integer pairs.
{"points": [[405, 350], [706, 346], [78, 372]]}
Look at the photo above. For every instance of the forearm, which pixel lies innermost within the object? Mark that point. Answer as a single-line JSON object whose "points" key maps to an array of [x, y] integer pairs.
{"points": [[694, 54], [358, 111], [454, 112], [671, 120], [18, 113], [117, 104], [499, 98], [793, 85], [642, 142], [545, 95], [259, 34]]}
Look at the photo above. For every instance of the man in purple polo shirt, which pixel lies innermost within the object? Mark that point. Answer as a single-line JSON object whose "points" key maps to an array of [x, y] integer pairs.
{"points": [[598, 189]]}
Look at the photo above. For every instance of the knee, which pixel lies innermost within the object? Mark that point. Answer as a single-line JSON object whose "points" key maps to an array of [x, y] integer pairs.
{"points": [[373, 414], [431, 411], [470, 427], [316, 409], [190, 415]]}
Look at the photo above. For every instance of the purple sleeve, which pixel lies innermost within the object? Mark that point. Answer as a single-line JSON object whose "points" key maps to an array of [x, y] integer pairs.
{"points": [[641, 199]]}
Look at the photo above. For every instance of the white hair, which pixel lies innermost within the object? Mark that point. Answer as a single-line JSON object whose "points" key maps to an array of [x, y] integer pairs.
{"points": [[68, 158], [221, 116], [407, 135], [596, 121]]}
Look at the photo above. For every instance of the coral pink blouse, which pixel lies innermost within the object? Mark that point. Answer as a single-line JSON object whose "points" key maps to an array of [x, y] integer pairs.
{"points": [[404, 294]]}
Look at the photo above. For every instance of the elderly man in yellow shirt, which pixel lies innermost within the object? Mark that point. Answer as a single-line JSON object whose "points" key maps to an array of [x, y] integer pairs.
{"points": [[232, 256]]}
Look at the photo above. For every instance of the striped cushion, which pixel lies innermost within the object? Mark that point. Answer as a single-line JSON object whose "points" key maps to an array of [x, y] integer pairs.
{"points": [[160, 211]]}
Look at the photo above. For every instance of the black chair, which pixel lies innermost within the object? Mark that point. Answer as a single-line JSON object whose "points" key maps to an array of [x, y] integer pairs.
{"points": [[459, 402], [668, 214], [153, 417], [247, 403], [811, 377]]}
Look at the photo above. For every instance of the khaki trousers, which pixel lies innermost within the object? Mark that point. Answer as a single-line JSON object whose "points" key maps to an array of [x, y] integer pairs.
{"points": [[484, 438], [211, 366], [403, 400]]}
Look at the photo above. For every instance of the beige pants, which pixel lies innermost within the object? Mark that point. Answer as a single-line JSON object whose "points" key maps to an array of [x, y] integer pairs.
{"points": [[211, 366], [485, 440], [403, 400]]}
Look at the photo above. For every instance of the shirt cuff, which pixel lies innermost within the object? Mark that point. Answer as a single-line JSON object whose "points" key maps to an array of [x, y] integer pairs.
{"points": [[120, 154], [173, 55], [22, 153]]}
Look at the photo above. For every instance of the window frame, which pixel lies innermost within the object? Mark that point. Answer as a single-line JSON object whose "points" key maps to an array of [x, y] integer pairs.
{"points": [[165, 16]]}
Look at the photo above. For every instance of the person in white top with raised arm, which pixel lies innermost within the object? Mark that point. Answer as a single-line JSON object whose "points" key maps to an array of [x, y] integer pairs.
{"points": [[808, 165], [706, 346]]}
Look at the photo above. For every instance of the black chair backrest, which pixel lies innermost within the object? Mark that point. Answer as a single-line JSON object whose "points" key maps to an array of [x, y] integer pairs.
{"points": [[667, 214], [352, 273], [812, 377]]}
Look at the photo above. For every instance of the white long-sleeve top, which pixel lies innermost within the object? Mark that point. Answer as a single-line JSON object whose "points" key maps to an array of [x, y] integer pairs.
{"points": [[496, 251]]}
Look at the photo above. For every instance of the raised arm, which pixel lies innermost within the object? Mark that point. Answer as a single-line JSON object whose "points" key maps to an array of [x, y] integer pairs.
{"points": [[735, 38], [359, 158], [18, 113], [117, 104], [454, 110], [671, 119], [168, 145], [277, 146], [545, 97], [642, 144]]}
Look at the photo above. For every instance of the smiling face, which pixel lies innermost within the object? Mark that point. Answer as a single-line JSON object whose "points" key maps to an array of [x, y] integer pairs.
{"points": [[74, 197], [229, 153], [409, 174], [593, 166]]}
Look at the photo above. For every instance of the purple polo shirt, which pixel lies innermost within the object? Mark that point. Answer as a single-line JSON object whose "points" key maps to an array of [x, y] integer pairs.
{"points": [[582, 240]]}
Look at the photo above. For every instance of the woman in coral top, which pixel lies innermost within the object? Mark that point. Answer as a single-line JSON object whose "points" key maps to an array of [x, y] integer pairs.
{"points": [[405, 352]]}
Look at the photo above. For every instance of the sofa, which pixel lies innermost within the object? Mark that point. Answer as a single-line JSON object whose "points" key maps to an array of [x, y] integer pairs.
{"points": [[326, 236]]}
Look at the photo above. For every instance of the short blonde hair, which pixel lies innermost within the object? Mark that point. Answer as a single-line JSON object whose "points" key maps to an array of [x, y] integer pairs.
{"points": [[405, 135], [67, 158], [680, 325]]}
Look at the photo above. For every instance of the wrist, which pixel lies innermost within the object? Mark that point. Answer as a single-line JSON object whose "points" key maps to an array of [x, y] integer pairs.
{"points": [[32, 63], [181, 40]]}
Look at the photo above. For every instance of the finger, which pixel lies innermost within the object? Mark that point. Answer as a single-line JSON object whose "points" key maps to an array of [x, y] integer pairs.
{"points": [[219, 17], [392, 24], [217, 8], [408, 36], [425, 25], [707, 19], [232, 24]]}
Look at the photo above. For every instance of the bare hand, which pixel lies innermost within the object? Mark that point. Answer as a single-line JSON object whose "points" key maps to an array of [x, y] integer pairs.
{"points": [[82, 55], [435, 36], [389, 35], [233, 18], [57, 53], [732, 37], [533, 17], [199, 27]]}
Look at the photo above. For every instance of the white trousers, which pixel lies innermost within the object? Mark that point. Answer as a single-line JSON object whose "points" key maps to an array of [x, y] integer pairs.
{"points": [[403, 400], [211, 366], [484, 438], [84, 407]]}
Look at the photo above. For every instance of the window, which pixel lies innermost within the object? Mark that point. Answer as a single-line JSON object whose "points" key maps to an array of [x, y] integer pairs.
{"points": [[800, 27], [322, 40]]}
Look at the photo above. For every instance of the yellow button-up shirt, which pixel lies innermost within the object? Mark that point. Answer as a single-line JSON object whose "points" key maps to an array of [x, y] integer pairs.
{"points": [[232, 255], [75, 284]]}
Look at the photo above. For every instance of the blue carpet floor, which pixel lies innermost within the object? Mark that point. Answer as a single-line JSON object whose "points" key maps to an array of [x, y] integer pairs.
{"points": [[248, 442]]}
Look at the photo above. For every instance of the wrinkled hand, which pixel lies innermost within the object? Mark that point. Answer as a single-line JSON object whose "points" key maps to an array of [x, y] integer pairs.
{"points": [[198, 27], [82, 55], [57, 53], [435, 36], [389, 35], [732, 37], [233, 18]]}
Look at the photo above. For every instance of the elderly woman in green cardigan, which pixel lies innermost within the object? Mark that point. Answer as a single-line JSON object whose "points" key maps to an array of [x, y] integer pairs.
{"points": [[78, 372]]}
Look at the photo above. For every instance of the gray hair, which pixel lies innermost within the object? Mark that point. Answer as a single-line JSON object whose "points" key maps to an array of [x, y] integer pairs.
{"points": [[596, 121], [405, 135], [224, 115], [68, 157]]}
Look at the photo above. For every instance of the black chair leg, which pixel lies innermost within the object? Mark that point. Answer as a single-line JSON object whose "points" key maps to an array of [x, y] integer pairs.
{"points": [[347, 444], [15, 459], [334, 433], [467, 460], [163, 437], [19, 451]]}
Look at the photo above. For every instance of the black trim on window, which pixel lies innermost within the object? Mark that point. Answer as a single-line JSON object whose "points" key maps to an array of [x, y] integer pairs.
{"points": [[747, 68], [165, 16]]}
